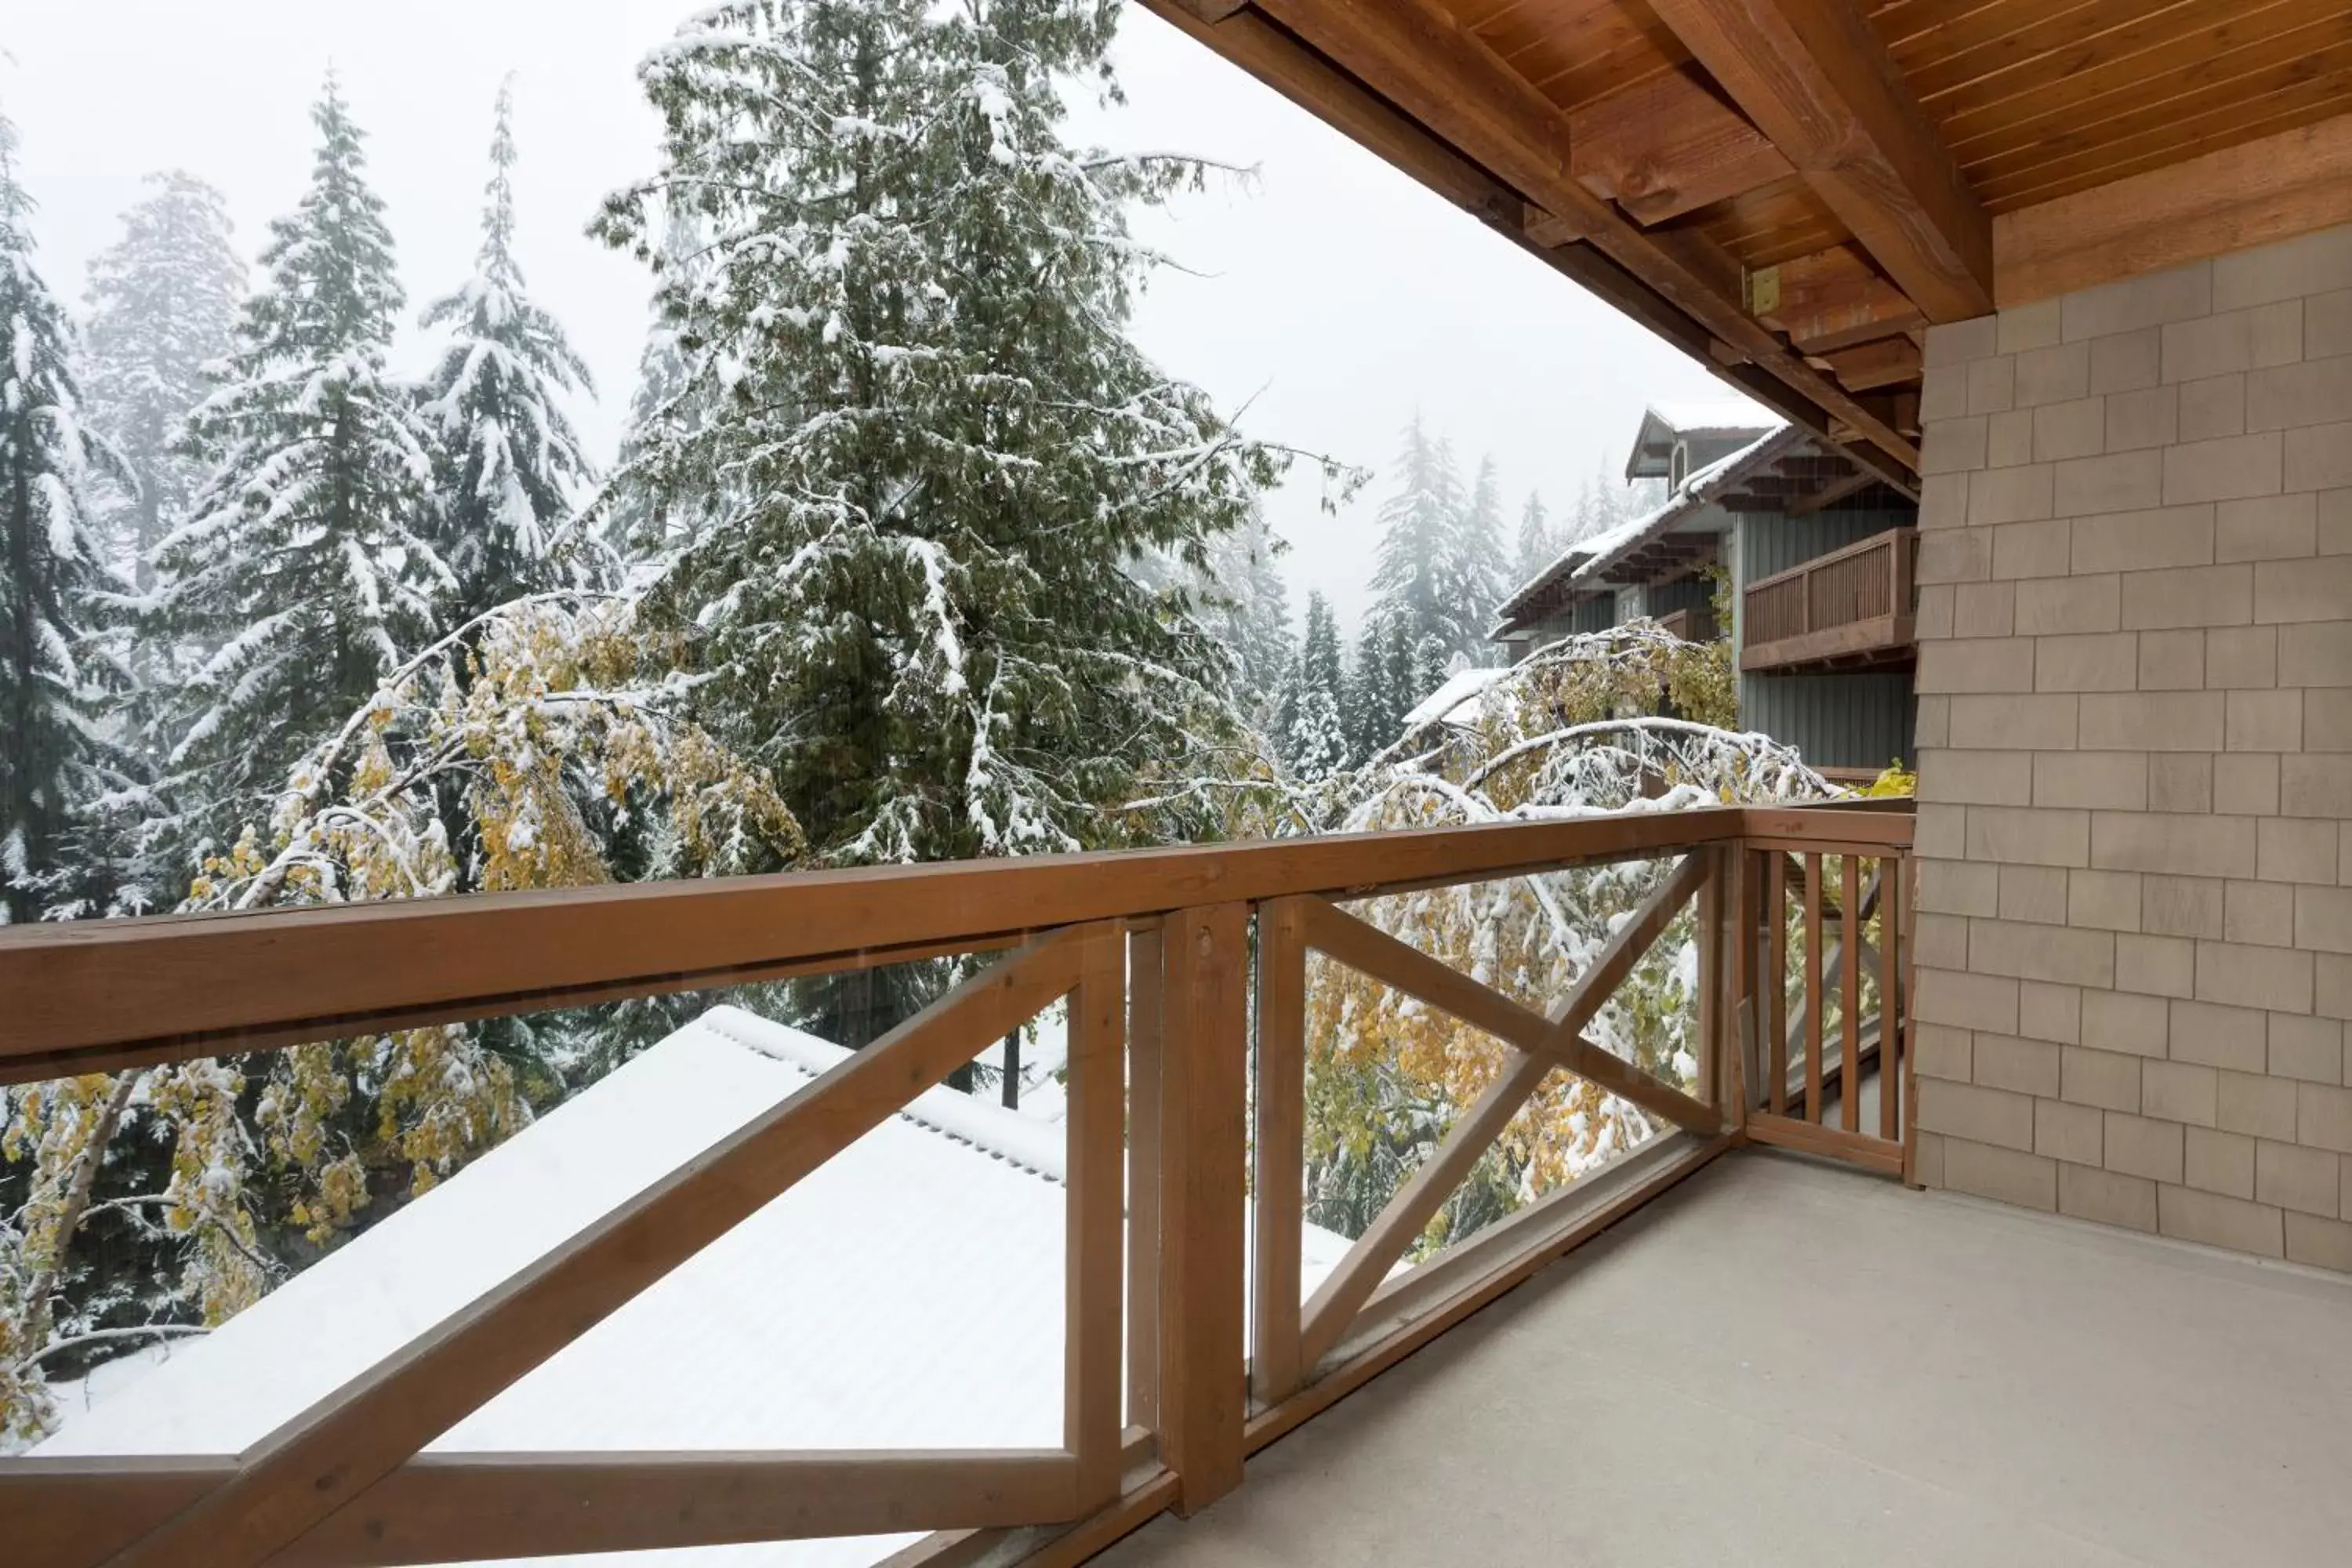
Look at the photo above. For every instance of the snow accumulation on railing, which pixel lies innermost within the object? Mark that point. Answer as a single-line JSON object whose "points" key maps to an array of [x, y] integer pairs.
{"points": [[1635, 983]]}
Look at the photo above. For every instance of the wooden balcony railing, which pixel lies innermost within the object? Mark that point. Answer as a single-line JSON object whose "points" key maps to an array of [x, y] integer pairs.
{"points": [[1153, 951], [1852, 605]]}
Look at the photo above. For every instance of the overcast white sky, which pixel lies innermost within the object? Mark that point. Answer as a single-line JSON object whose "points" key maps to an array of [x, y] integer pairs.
{"points": [[1332, 293]]}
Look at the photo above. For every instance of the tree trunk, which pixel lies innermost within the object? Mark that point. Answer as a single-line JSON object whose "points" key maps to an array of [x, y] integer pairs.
{"points": [[44, 1287]]}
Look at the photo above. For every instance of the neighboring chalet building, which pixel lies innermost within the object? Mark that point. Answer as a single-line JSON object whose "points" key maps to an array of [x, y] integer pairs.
{"points": [[1819, 554]]}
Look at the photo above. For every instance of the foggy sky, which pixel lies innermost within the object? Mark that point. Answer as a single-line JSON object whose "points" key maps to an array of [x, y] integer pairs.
{"points": [[1328, 293]]}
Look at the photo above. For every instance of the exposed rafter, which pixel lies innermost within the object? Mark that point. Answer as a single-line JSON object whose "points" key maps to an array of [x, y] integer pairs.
{"points": [[1665, 146], [1830, 301], [1816, 81]]}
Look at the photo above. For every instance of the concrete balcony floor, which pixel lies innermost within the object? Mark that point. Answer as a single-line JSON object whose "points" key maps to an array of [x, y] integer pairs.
{"points": [[1781, 1363]]}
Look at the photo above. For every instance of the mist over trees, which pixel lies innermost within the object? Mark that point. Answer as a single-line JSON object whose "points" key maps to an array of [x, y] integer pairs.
{"points": [[305, 565], [164, 305]]}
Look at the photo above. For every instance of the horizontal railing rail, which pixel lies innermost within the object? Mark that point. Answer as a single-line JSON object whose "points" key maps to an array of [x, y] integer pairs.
{"points": [[1157, 956], [76, 996]]}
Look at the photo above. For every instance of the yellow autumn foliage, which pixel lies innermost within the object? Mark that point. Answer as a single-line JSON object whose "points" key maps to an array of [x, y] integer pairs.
{"points": [[1631, 719]]}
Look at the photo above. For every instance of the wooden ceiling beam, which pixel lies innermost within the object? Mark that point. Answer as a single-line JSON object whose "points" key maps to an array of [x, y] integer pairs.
{"points": [[1666, 145], [2254, 194], [1420, 57], [1815, 78], [1831, 300], [1889, 362]]}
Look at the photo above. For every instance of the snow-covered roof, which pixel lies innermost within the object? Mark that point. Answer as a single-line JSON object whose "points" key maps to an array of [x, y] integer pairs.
{"points": [[905, 1294], [1586, 561], [1456, 701], [1687, 418], [1710, 421]]}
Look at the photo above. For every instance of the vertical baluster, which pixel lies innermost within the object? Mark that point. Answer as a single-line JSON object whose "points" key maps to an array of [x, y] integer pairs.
{"points": [[1097, 1217], [1143, 1135], [1812, 997], [1890, 1005], [1777, 969], [1280, 1148], [1739, 1007], [1710, 1088], [1849, 994]]}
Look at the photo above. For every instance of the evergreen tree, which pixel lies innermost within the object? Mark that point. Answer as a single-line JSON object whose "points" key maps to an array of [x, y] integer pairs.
{"points": [[1379, 686], [163, 304], [1474, 570], [1413, 573], [933, 455], [1249, 611], [304, 565], [53, 766], [668, 406], [1606, 501], [1432, 664], [1315, 738], [1537, 547], [506, 462]]}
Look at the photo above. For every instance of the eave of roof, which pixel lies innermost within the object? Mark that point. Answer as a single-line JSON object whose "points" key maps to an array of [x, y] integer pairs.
{"points": [[1584, 561]]}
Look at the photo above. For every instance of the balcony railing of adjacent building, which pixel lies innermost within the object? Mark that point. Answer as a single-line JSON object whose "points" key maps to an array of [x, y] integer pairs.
{"points": [[1181, 968], [1853, 606]]}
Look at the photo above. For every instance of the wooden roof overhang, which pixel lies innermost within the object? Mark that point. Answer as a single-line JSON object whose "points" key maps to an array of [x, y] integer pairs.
{"points": [[1791, 191]]}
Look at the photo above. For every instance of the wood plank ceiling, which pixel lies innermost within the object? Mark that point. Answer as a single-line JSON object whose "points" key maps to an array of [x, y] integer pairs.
{"points": [[1793, 190]]}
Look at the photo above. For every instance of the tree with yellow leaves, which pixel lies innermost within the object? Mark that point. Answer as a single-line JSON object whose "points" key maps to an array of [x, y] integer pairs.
{"points": [[1631, 719], [541, 744]]}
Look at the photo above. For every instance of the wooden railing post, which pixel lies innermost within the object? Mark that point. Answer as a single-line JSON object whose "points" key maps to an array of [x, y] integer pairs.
{"points": [[1204, 1401], [1096, 1221]]}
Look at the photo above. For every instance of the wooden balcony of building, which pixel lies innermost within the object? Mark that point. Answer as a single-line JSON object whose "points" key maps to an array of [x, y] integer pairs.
{"points": [[1851, 609], [1777, 1354]]}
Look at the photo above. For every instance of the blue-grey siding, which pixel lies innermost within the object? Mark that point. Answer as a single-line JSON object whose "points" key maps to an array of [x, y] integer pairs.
{"points": [[1847, 720]]}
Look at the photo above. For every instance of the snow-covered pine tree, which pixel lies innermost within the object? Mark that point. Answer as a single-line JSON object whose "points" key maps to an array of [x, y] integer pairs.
{"points": [[1412, 572], [1432, 664], [1249, 611], [1600, 505], [305, 565], [1377, 695], [164, 305], [937, 454], [1315, 740], [508, 470], [1537, 545], [1474, 570], [54, 583], [666, 406]]}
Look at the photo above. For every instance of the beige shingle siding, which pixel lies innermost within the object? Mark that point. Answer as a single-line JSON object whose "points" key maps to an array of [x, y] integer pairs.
{"points": [[2135, 733]]}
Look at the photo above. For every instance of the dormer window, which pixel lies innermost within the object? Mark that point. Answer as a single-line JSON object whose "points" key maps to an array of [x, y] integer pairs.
{"points": [[1678, 467]]}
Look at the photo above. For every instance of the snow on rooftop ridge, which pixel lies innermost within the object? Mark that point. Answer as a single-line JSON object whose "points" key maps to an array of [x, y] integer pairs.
{"points": [[1695, 489], [1683, 417], [1032, 1146]]}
